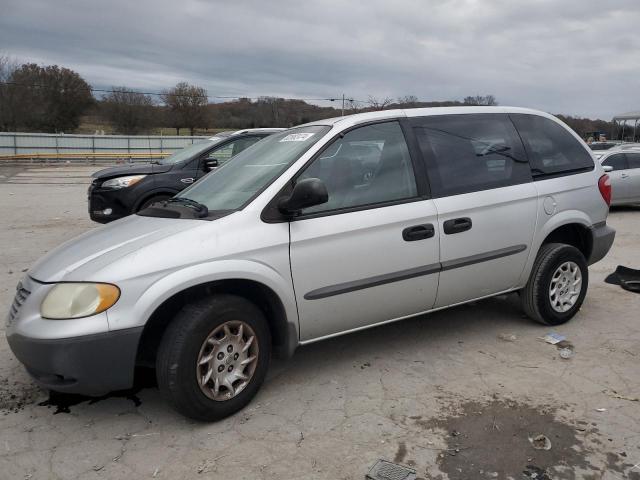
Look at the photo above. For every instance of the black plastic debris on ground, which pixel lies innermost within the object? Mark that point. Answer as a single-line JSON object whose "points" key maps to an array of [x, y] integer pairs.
{"points": [[383, 470], [536, 473], [627, 278]]}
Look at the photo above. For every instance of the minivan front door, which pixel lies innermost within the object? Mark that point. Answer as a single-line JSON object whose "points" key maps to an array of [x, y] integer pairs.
{"points": [[371, 253], [486, 202]]}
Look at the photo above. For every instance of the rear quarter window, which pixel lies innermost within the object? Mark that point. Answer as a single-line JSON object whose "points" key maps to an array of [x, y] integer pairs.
{"points": [[471, 152], [551, 149]]}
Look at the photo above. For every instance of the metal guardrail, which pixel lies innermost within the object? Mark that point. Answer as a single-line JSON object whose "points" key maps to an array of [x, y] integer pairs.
{"points": [[16, 143], [89, 158]]}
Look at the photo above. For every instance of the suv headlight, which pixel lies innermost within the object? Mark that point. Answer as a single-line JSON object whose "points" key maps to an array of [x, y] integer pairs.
{"points": [[75, 300], [122, 182]]}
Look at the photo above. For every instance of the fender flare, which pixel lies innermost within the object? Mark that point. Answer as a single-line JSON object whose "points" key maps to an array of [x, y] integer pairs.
{"points": [[558, 220], [219, 270]]}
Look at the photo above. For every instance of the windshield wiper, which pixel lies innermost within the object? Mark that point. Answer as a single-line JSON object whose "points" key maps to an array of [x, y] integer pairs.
{"points": [[201, 209]]}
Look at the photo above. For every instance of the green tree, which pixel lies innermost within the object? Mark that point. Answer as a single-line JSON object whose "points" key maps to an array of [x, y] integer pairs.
{"points": [[51, 98]]}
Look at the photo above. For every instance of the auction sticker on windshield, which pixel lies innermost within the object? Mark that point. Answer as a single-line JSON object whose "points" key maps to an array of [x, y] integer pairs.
{"points": [[297, 137]]}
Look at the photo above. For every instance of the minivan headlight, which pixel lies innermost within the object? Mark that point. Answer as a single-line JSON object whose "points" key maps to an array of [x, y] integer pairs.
{"points": [[76, 300], [123, 182]]}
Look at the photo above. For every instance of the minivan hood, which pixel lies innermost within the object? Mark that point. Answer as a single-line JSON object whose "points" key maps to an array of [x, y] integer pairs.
{"points": [[104, 245], [131, 169]]}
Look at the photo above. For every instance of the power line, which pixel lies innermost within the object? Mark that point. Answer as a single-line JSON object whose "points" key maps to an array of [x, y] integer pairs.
{"points": [[168, 94]]}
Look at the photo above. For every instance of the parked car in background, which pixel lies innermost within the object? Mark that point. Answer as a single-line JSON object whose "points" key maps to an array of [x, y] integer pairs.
{"points": [[314, 232], [602, 145], [623, 165], [120, 191]]}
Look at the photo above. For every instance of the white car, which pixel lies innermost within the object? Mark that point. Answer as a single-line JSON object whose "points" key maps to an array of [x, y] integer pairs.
{"points": [[623, 167]]}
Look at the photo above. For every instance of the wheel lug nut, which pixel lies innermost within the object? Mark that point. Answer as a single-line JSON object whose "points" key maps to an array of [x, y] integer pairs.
{"points": [[230, 368], [229, 349], [220, 356], [220, 368], [235, 357]]}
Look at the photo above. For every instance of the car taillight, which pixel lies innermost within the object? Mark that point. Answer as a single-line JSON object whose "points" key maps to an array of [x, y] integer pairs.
{"points": [[604, 185]]}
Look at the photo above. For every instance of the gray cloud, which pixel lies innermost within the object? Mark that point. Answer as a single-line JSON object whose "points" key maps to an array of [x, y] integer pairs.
{"points": [[578, 57]]}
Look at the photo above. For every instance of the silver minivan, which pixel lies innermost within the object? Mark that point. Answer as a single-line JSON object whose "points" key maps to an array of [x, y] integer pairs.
{"points": [[317, 231]]}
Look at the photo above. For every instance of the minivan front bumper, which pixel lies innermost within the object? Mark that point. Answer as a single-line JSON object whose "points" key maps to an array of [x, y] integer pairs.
{"points": [[602, 236], [90, 364]]}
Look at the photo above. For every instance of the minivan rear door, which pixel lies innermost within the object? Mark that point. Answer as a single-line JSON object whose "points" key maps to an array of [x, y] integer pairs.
{"points": [[371, 253], [482, 189]]}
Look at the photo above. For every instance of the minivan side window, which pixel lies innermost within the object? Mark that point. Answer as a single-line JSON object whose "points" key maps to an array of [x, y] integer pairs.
{"points": [[368, 165], [634, 160], [551, 148], [617, 161], [471, 152]]}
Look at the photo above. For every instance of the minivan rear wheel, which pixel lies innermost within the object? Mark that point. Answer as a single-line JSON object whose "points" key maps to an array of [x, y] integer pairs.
{"points": [[557, 284], [213, 357]]}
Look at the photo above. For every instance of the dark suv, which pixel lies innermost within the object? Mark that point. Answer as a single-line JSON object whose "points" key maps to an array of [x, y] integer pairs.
{"points": [[120, 191]]}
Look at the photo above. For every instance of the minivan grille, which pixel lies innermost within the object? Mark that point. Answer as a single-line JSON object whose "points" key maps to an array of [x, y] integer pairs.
{"points": [[21, 295]]}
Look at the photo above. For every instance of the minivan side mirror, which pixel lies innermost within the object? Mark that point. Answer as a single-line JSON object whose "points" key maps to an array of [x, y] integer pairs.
{"points": [[306, 193], [210, 164], [607, 168]]}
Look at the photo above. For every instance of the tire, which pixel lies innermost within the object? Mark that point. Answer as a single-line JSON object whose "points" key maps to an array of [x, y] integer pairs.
{"points": [[150, 201], [183, 344], [536, 297]]}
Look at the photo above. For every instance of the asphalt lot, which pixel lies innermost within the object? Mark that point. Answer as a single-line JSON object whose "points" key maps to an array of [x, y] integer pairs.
{"points": [[455, 394]]}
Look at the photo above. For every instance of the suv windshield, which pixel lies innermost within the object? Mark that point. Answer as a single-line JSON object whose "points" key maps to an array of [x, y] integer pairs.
{"points": [[235, 183], [189, 152]]}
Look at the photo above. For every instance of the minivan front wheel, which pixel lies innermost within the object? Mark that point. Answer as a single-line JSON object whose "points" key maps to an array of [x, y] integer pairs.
{"points": [[557, 284], [213, 357]]}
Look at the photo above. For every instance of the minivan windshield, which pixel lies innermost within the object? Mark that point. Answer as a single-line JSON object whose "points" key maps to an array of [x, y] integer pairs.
{"points": [[235, 183], [189, 152]]}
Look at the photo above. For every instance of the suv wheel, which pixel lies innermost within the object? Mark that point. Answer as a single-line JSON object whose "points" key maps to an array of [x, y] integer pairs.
{"points": [[150, 201], [557, 284], [213, 357]]}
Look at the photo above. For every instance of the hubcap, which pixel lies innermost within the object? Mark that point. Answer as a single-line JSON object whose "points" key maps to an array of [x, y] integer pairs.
{"points": [[565, 287], [227, 360]]}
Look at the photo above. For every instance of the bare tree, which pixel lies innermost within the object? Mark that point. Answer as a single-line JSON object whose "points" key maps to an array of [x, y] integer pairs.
{"points": [[186, 106], [128, 111], [9, 109], [379, 104], [408, 100], [352, 106], [486, 100]]}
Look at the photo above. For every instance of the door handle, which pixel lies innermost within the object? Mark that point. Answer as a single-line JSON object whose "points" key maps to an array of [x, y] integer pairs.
{"points": [[624, 175], [418, 232], [457, 225]]}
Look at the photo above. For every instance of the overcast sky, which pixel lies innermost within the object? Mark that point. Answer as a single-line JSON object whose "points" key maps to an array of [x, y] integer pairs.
{"points": [[578, 57]]}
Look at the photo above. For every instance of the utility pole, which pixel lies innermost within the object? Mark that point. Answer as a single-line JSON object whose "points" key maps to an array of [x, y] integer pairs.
{"points": [[343, 104]]}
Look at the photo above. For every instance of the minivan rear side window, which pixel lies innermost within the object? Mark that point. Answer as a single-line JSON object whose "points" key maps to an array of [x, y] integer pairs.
{"points": [[471, 152], [552, 150]]}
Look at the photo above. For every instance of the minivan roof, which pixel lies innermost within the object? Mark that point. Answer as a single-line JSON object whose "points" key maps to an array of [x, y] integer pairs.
{"points": [[357, 118]]}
